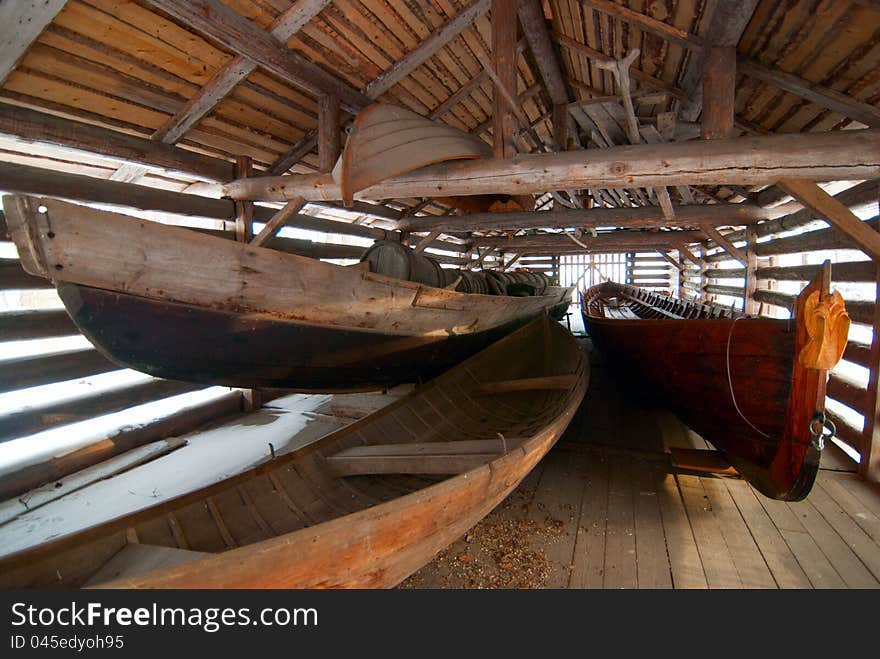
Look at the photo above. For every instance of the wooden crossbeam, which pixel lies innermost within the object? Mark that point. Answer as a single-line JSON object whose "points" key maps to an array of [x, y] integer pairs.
{"points": [[847, 222], [417, 457], [425, 242], [545, 383], [835, 155], [226, 26], [280, 219]]}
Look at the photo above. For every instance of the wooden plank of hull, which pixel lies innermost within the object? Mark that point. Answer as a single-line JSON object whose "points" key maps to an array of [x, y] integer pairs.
{"points": [[686, 361], [296, 525], [69, 243], [194, 344]]}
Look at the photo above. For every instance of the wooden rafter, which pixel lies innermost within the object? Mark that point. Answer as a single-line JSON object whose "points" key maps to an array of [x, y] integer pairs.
{"points": [[723, 242], [836, 155], [226, 26], [847, 222], [504, 109], [427, 48], [225, 80]]}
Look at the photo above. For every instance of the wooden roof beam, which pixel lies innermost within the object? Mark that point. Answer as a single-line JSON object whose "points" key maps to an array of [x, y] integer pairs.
{"points": [[641, 217], [830, 156], [727, 245], [847, 222], [226, 26], [21, 24], [630, 238], [226, 79]]}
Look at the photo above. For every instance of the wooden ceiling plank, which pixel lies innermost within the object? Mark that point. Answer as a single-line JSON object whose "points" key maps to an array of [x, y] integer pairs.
{"points": [[427, 48], [217, 21]]}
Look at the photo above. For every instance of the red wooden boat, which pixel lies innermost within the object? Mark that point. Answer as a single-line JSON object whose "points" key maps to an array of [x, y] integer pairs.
{"points": [[752, 386]]}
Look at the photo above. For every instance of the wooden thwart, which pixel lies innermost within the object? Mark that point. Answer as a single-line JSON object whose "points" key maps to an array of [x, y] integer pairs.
{"points": [[418, 457], [548, 382]]}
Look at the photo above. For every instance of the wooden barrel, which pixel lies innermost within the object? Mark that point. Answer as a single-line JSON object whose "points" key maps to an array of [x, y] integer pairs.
{"points": [[392, 259]]}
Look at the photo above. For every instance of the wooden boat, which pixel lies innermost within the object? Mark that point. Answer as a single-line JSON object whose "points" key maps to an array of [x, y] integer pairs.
{"points": [[183, 305], [387, 140], [754, 387], [364, 506]]}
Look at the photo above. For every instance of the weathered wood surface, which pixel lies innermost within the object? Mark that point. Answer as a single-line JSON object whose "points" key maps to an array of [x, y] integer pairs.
{"points": [[291, 523], [838, 155], [21, 23]]}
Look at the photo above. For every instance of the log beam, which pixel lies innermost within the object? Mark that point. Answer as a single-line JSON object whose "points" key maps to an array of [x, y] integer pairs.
{"points": [[642, 217], [837, 155], [750, 304], [531, 17]]}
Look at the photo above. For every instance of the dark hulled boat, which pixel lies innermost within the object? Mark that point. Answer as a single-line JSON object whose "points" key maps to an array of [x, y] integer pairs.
{"points": [[752, 386], [183, 305]]}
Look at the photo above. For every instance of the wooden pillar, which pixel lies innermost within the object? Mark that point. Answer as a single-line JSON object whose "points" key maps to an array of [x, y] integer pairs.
{"points": [[561, 126], [504, 24], [869, 466], [328, 132], [750, 305], [704, 280], [682, 292], [719, 86], [244, 210]]}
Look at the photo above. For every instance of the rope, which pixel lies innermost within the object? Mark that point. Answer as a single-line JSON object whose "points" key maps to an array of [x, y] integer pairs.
{"points": [[730, 383]]}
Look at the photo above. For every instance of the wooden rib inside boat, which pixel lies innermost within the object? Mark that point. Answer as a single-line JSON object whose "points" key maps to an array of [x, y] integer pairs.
{"points": [[364, 506], [183, 305], [752, 386]]}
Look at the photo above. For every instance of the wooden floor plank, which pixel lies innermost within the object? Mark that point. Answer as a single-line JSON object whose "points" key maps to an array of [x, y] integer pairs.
{"points": [[620, 546], [684, 557], [845, 562], [652, 559], [556, 507], [860, 513], [783, 565], [588, 569], [747, 558], [859, 542], [714, 553], [866, 492]]}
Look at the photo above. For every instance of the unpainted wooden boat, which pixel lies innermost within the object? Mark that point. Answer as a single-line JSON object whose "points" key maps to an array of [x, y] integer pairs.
{"points": [[364, 506], [754, 387], [183, 305], [387, 140]]}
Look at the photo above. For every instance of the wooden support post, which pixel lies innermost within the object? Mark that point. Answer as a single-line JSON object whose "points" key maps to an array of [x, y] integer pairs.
{"points": [[719, 83], [750, 304], [560, 126], [328, 132], [424, 242], [504, 26], [869, 466], [277, 221], [244, 210], [704, 280]]}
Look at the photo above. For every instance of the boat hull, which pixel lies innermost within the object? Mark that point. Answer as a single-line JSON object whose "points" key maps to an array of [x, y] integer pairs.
{"points": [[210, 346], [734, 380], [294, 522]]}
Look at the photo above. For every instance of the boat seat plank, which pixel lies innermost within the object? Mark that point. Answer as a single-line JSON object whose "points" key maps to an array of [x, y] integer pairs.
{"points": [[548, 382], [135, 559]]}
